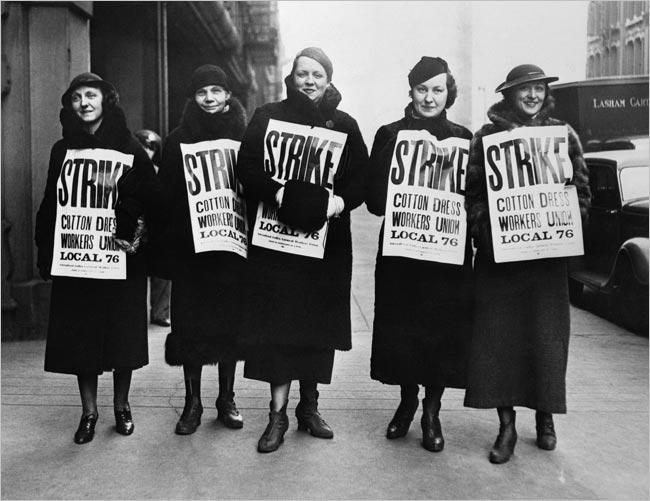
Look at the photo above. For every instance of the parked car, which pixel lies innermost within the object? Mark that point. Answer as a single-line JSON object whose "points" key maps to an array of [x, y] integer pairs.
{"points": [[616, 237]]}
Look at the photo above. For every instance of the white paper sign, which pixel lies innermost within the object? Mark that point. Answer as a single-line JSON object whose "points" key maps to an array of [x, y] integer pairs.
{"points": [[86, 193], [217, 210], [425, 204], [533, 214], [293, 151]]}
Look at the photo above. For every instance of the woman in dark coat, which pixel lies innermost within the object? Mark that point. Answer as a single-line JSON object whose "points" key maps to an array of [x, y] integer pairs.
{"points": [[297, 307], [422, 308], [204, 300], [96, 324], [521, 325]]}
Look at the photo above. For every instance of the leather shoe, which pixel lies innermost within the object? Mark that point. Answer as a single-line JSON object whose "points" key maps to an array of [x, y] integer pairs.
{"points": [[309, 419], [123, 420], [86, 430], [546, 438], [504, 445], [432, 439], [227, 412], [273, 435], [191, 416], [399, 425], [163, 322]]}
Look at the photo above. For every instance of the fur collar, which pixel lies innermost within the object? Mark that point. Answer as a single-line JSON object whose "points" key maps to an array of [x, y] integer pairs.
{"points": [[432, 125], [324, 109], [504, 116], [112, 132], [204, 126]]}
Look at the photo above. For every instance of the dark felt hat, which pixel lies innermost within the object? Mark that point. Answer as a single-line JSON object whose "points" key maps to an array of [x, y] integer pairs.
{"points": [[524, 73], [427, 67], [89, 79], [208, 74], [304, 205]]}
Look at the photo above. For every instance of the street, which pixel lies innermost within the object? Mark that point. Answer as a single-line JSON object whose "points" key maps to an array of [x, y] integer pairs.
{"points": [[602, 448]]}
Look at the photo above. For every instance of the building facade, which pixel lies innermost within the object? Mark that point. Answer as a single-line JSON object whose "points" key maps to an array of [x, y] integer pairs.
{"points": [[617, 38], [148, 51]]}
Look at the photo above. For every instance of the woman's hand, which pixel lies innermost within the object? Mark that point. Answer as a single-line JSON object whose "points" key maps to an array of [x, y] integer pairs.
{"points": [[335, 206]]}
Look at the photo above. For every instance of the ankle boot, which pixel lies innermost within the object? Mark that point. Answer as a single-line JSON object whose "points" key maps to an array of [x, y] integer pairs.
{"points": [[227, 411], [504, 446], [308, 416], [546, 438], [86, 430], [123, 420], [273, 436], [191, 417], [399, 425], [432, 439]]}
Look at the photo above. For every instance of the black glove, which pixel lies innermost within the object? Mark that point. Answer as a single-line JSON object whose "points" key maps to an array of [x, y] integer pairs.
{"points": [[304, 205]]}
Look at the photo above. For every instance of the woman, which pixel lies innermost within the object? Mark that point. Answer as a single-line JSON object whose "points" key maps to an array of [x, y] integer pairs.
{"points": [[97, 324], [422, 322], [160, 289], [521, 324], [204, 301], [298, 307]]}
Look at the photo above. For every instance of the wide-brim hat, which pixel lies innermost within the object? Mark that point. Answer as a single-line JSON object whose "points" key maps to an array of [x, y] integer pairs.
{"points": [[89, 79], [524, 73]]}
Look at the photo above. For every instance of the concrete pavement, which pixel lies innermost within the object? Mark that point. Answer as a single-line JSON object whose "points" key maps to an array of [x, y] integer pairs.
{"points": [[602, 451]]}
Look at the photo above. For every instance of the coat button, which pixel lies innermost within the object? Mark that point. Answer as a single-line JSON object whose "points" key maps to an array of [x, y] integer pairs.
{"points": [[329, 124]]}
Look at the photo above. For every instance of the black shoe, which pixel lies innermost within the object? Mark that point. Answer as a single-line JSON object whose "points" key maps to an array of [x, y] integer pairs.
{"points": [[163, 322], [86, 430], [227, 412], [401, 422], [309, 419], [546, 438], [123, 421], [504, 446], [191, 416], [432, 439], [273, 436]]}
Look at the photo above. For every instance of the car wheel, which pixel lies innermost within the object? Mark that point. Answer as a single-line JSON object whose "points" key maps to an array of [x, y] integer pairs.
{"points": [[632, 299], [575, 291]]}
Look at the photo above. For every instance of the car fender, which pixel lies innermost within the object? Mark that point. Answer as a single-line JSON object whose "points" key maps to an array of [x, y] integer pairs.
{"points": [[635, 251]]}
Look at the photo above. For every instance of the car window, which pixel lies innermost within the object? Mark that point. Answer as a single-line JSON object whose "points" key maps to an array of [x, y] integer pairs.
{"points": [[604, 188], [634, 182]]}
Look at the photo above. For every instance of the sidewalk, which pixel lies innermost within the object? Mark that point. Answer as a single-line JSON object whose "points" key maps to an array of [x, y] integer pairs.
{"points": [[602, 442]]}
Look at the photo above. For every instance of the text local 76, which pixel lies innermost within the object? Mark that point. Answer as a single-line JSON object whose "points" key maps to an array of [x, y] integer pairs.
{"points": [[532, 161], [420, 162], [296, 156], [85, 182]]}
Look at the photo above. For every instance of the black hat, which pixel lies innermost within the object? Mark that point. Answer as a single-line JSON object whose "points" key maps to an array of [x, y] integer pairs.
{"points": [[317, 54], [524, 73], [89, 79], [427, 67], [208, 74]]}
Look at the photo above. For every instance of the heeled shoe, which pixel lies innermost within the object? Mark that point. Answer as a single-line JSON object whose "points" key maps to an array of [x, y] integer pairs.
{"points": [[401, 422], [86, 430], [273, 435], [432, 439], [227, 411], [504, 445], [309, 419], [546, 438], [124, 421], [191, 417]]}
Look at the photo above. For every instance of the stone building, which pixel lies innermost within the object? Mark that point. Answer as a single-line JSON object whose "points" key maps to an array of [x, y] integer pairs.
{"points": [[148, 50], [617, 38]]}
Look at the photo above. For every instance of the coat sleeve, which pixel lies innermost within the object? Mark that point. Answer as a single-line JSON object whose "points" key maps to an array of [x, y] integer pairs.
{"points": [[353, 190], [580, 174], [46, 215], [258, 184], [476, 201], [380, 157]]}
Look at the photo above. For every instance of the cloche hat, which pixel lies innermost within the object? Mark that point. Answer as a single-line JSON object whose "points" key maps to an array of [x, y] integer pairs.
{"points": [[89, 79], [524, 73]]}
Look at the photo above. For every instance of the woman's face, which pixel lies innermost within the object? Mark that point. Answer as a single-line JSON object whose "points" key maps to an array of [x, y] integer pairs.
{"points": [[310, 78], [87, 104], [528, 98], [212, 98], [430, 97]]}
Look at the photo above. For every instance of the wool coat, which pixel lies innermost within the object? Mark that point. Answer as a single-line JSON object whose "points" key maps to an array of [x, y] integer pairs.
{"points": [[422, 308], [520, 338], [293, 300], [205, 286], [97, 325]]}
